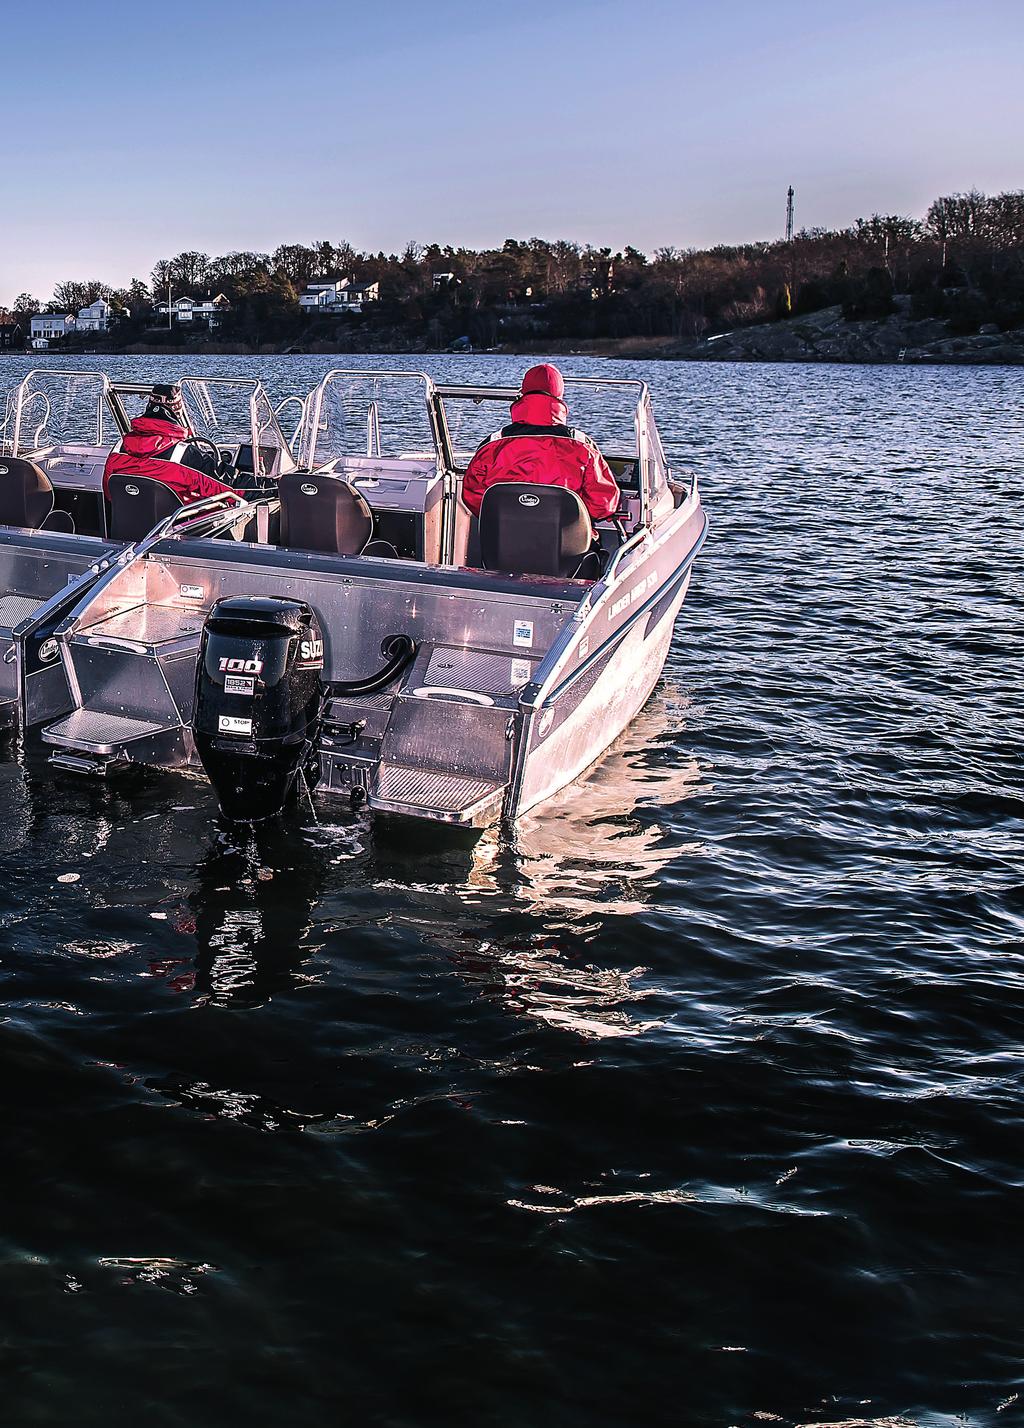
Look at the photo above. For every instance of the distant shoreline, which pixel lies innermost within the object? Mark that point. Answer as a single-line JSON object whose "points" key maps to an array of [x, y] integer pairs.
{"points": [[601, 351], [820, 337]]}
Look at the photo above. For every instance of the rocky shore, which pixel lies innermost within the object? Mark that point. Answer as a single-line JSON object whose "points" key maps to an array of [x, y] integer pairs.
{"points": [[826, 337]]}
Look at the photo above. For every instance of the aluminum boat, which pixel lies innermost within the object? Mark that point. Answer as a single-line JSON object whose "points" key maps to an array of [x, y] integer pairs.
{"points": [[367, 636]]}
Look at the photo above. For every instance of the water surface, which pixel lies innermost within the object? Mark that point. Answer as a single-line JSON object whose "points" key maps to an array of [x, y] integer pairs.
{"points": [[695, 1102]]}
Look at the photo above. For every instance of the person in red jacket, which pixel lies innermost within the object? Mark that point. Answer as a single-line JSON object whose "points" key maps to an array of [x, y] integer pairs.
{"points": [[539, 447], [158, 447]]}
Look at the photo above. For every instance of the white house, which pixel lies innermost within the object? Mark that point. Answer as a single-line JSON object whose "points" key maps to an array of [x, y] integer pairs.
{"points": [[356, 294], [342, 296], [445, 280], [95, 317], [320, 295], [49, 325], [186, 309]]}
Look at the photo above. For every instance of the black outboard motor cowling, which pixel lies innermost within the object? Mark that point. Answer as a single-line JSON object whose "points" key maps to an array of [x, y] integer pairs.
{"points": [[259, 699]]}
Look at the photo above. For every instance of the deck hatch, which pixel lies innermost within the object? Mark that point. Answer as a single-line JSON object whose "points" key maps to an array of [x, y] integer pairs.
{"points": [[480, 670]]}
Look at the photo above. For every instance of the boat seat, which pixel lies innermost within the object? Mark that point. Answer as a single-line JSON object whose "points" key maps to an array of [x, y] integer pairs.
{"points": [[26, 497], [537, 530], [137, 503], [321, 513]]}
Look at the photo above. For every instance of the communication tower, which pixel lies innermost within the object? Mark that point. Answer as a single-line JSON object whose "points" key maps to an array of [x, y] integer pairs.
{"points": [[789, 214]]}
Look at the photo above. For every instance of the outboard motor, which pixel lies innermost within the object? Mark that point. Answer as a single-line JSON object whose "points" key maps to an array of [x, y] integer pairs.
{"points": [[259, 699]]}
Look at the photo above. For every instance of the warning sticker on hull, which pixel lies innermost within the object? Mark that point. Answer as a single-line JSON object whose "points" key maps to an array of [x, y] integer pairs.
{"points": [[522, 634]]}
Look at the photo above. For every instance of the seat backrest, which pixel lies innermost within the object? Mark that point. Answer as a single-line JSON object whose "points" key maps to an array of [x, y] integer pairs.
{"points": [[533, 530], [320, 512], [26, 495], [137, 503]]}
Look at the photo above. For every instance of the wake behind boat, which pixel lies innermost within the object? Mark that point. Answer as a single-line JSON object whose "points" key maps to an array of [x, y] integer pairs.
{"points": [[368, 634]]}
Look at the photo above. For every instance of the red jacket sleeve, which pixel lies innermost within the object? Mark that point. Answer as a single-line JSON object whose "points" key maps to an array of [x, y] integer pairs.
{"points": [[600, 491], [474, 483]]}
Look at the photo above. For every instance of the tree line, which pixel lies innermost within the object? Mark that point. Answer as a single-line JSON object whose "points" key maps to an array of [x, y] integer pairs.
{"points": [[964, 262]]}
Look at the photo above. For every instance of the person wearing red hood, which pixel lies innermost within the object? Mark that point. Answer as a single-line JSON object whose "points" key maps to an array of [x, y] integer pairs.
{"points": [[158, 447], [539, 447]]}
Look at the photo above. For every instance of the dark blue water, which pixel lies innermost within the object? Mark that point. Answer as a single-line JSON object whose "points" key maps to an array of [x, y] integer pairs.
{"points": [[697, 1102]]}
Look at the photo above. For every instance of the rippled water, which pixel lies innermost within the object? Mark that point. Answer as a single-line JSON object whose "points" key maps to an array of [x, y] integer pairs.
{"points": [[697, 1102]]}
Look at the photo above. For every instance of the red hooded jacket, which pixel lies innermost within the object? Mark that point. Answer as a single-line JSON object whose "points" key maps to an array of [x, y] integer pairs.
{"points": [[541, 449], [145, 451]]}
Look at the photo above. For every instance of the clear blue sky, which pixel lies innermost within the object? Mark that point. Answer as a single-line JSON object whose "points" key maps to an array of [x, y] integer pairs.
{"points": [[132, 132]]}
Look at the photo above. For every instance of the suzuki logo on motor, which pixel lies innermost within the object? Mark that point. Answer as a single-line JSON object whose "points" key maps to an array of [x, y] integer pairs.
{"points": [[529, 500], [241, 666], [311, 649], [132, 491], [308, 490]]}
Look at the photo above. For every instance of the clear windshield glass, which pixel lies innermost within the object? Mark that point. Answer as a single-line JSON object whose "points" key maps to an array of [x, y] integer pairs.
{"points": [[605, 411], [57, 408], [369, 414], [657, 465], [236, 414]]}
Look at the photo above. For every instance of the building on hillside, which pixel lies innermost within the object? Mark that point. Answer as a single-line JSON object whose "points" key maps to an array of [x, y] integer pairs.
{"points": [[445, 280], [355, 295], [97, 317], [12, 334], [318, 296], [188, 310], [48, 326], [345, 295]]}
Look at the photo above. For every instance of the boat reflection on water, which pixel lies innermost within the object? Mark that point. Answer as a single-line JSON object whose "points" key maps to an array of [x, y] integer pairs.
{"points": [[601, 847], [521, 918], [14, 799], [70, 821], [593, 854], [252, 907]]}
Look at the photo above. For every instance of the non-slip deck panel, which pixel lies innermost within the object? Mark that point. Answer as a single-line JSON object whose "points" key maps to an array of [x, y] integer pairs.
{"points": [[102, 732], [478, 670], [149, 624], [429, 790], [383, 699], [15, 608]]}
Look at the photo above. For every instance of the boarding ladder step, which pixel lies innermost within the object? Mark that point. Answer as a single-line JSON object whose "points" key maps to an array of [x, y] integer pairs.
{"points": [[100, 733], [429, 793]]}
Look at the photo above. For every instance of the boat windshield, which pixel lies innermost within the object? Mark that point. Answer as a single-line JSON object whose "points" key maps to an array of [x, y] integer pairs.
{"points": [[237, 413], [384, 414], [607, 411], [616, 415], [54, 408]]}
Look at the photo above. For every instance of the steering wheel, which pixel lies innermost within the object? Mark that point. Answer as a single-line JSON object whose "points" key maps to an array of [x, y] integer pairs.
{"points": [[204, 441]]}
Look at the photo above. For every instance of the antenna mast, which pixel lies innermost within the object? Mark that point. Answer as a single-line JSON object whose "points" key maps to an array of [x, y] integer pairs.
{"points": [[789, 214]]}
